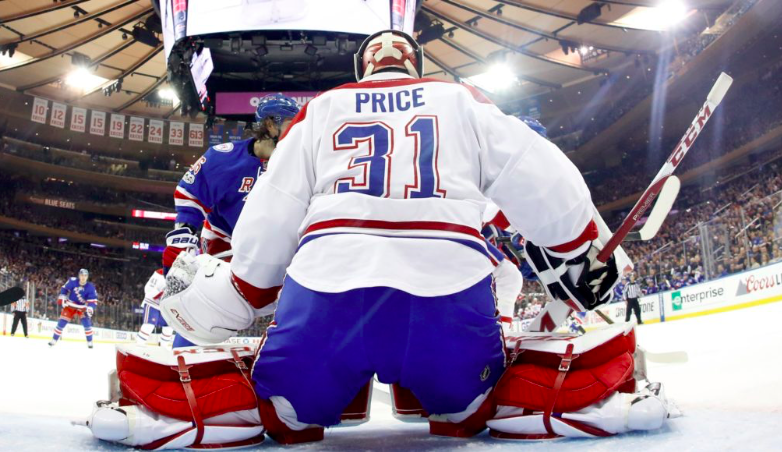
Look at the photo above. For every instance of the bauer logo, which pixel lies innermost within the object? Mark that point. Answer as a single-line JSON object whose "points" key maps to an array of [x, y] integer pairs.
{"points": [[676, 299]]}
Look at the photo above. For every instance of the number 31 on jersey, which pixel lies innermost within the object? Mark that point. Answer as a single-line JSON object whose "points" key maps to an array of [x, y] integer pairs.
{"points": [[422, 130]]}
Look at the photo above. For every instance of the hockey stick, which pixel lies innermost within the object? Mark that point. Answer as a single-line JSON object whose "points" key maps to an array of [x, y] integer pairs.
{"points": [[11, 295], [659, 212], [714, 98]]}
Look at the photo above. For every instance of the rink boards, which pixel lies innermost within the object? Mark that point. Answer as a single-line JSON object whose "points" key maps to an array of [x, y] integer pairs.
{"points": [[742, 290], [44, 329]]}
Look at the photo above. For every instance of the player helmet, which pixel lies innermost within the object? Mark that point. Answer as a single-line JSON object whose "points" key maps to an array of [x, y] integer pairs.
{"points": [[84, 271], [535, 125], [389, 49], [276, 106]]}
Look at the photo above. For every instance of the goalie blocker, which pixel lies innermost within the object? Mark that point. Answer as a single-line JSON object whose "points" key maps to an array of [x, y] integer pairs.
{"points": [[201, 397]]}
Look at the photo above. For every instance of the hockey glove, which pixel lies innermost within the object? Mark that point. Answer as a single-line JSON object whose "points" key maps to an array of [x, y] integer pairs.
{"points": [[90, 311], [584, 281], [210, 310], [178, 240]]}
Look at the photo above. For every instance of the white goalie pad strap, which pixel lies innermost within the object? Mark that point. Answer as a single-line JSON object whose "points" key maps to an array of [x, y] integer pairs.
{"points": [[556, 343]]}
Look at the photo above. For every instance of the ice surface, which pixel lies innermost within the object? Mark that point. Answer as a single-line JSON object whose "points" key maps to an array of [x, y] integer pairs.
{"points": [[730, 392]]}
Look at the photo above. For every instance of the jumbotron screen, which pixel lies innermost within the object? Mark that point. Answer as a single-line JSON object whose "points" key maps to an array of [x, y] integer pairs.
{"points": [[203, 17]]}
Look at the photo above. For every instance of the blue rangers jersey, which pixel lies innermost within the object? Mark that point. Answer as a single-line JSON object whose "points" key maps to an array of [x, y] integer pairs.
{"points": [[216, 186], [77, 295]]}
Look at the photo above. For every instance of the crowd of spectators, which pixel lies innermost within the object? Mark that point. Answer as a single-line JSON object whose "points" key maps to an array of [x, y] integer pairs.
{"points": [[736, 124], [94, 161], [46, 264], [738, 219]]}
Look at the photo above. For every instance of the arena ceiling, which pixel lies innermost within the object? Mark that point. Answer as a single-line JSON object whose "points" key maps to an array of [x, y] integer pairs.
{"points": [[539, 42]]}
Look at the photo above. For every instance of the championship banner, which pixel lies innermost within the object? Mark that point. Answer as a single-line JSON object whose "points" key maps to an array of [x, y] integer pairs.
{"points": [[176, 133], [215, 134], [236, 133], [136, 132], [195, 137], [155, 134], [98, 123], [40, 106], [246, 103], [58, 115], [79, 119], [117, 127]]}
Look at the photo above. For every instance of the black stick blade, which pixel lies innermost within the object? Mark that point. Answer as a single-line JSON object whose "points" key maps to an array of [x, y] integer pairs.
{"points": [[11, 295]]}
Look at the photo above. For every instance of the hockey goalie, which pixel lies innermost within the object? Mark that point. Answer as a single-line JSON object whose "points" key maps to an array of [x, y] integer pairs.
{"points": [[370, 214]]}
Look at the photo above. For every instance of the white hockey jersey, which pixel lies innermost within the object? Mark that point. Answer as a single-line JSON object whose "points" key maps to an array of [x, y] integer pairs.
{"points": [[154, 288], [384, 183]]}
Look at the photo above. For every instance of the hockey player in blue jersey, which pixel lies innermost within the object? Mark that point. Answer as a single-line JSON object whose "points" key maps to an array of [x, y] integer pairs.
{"points": [[213, 192], [78, 298]]}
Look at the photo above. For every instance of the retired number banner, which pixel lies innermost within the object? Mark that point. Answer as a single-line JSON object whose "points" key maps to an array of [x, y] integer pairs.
{"points": [[195, 139], [79, 119], [176, 133], [155, 134], [98, 123], [136, 132], [39, 110], [117, 128], [58, 115]]}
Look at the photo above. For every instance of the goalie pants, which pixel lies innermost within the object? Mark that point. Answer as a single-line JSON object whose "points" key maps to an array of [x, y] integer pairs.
{"points": [[323, 347]]}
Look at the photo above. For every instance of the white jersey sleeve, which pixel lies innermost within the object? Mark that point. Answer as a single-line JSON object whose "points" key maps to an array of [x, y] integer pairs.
{"points": [[154, 289], [536, 186], [508, 283]]}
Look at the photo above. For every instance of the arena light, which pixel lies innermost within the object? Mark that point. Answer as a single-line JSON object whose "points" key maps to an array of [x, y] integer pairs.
{"points": [[84, 80], [665, 15], [9, 56], [168, 94], [499, 77]]}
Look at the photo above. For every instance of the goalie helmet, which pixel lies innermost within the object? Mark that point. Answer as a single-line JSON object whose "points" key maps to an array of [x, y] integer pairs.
{"points": [[389, 49]]}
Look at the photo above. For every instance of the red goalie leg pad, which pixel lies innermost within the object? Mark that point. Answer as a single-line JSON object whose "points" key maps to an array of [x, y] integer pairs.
{"points": [[278, 431], [561, 374], [469, 427], [216, 381]]}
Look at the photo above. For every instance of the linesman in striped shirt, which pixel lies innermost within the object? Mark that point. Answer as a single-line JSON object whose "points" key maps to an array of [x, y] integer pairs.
{"points": [[632, 293], [20, 315]]}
